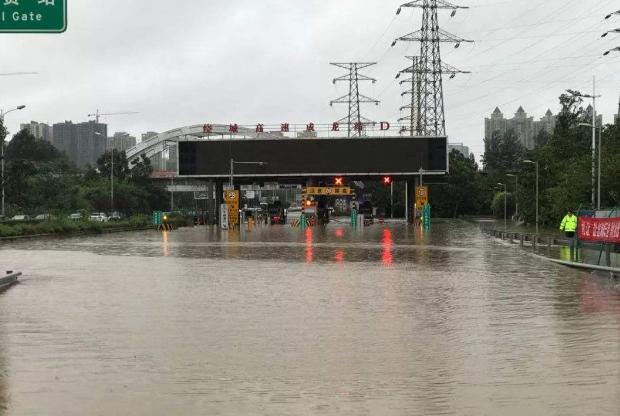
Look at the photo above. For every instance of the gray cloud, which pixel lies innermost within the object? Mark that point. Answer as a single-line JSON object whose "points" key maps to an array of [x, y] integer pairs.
{"points": [[196, 61]]}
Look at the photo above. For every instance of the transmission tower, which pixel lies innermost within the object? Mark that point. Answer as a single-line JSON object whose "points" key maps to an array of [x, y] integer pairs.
{"points": [[430, 104], [413, 117], [416, 71], [354, 120]]}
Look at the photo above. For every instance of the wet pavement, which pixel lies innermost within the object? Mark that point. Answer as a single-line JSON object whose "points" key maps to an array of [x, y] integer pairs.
{"points": [[388, 320]]}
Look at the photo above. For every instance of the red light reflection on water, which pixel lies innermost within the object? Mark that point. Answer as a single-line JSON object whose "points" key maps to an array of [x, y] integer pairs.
{"points": [[339, 257], [387, 258], [339, 232], [597, 299], [309, 249]]}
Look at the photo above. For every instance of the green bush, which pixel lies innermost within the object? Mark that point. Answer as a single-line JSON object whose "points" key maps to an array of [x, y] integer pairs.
{"points": [[65, 226]]}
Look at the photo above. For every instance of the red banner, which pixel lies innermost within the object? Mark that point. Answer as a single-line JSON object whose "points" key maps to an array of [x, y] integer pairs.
{"points": [[605, 230]]}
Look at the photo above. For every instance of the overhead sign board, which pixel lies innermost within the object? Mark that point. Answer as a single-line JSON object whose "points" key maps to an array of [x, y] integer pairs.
{"points": [[33, 16], [362, 157]]}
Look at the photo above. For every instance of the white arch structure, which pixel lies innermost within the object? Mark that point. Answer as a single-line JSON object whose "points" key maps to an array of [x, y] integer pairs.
{"points": [[159, 144]]}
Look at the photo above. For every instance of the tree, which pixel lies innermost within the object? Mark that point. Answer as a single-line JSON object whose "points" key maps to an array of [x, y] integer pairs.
{"points": [[462, 193], [121, 166], [503, 153], [25, 146], [142, 169]]}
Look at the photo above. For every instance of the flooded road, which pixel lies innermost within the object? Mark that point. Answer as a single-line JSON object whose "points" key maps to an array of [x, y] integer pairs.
{"points": [[388, 320]]}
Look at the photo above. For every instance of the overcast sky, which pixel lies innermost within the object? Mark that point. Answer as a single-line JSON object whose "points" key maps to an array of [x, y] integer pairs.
{"points": [[194, 61]]}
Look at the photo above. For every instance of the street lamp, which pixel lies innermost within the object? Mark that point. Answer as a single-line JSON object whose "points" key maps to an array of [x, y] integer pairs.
{"points": [[535, 163], [611, 14], [616, 49], [511, 175], [505, 204], [610, 31], [111, 172], [232, 169], [600, 147], [3, 133], [594, 97]]}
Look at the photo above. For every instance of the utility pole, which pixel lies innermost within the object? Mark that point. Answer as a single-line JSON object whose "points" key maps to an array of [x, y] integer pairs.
{"points": [[431, 69], [594, 97], [594, 139], [354, 120], [3, 132], [97, 116]]}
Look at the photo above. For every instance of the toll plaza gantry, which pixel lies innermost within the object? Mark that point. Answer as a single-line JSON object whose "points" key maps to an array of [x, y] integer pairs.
{"points": [[311, 162]]}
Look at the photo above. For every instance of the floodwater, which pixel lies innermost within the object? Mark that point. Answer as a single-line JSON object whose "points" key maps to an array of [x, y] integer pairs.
{"points": [[388, 320]]}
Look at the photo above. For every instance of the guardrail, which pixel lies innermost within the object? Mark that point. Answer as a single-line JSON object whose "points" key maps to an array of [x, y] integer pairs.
{"points": [[537, 241], [9, 279]]}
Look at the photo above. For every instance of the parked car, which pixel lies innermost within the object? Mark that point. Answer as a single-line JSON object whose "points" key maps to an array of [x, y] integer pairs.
{"points": [[276, 213], [98, 217], [116, 216], [75, 216], [20, 218], [43, 217]]}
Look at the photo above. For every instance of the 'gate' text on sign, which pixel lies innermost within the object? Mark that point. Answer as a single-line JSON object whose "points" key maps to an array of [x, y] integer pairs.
{"points": [[33, 16]]}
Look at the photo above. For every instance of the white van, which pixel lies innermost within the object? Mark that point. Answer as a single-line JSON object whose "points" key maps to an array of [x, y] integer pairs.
{"points": [[98, 217]]}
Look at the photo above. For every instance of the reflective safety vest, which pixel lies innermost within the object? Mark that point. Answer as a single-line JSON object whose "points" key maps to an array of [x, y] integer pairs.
{"points": [[569, 223]]}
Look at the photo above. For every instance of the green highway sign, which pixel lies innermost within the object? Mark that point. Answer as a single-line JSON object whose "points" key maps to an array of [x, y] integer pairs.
{"points": [[157, 217], [33, 16]]}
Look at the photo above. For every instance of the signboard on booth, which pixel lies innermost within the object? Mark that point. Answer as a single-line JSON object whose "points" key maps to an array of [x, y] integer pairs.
{"points": [[232, 203], [604, 230], [421, 196], [329, 190]]}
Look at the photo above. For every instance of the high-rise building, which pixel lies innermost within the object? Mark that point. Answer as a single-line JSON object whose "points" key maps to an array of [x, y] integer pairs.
{"points": [[524, 127], [546, 123], [599, 117], [122, 141], [65, 139], [83, 143], [92, 141], [39, 130], [459, 147]]}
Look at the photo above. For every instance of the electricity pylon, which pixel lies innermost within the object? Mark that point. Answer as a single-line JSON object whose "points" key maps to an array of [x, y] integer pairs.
{"points": [[416, 71], [354, 120], [413, 118], [431, 104]]}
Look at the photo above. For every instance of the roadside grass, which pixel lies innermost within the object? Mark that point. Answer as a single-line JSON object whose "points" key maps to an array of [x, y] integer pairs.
{"points": [[67, 226]]}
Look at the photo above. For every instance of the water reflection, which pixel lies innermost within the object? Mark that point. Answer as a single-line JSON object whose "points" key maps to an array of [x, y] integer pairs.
{"points": [[309, 247], [164, 236], [596, 298], [387, 320], [386, 258], [339, 257]]}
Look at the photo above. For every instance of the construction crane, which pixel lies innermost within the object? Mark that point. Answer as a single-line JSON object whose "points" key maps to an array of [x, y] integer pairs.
{"points": [[98, 115]]}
